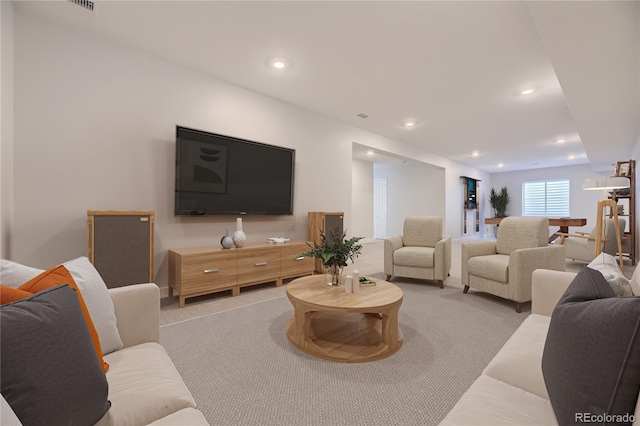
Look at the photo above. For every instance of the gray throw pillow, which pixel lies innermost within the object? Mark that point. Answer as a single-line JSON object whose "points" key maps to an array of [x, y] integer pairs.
{"points": [[50, 374], [591, 358]]}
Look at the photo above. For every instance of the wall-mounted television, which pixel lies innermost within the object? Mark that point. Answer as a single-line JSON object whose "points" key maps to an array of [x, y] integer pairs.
{"points": [[223, 175]]}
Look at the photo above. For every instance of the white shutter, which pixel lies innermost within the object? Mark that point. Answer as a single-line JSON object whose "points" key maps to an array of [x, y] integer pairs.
{"points": [[546, 198], [533, 199]]}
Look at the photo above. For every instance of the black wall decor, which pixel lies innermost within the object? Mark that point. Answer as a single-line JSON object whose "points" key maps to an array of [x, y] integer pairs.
{"points": [[470, 192]]}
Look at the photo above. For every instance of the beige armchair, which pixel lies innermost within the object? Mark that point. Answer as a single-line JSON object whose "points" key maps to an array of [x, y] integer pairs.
{"points": [[420, 252], [503, 267], [582, 246]]}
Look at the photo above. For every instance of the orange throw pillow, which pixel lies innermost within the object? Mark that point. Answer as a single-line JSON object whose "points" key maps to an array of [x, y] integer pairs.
{"points": [[51, 278], [10, 294]]}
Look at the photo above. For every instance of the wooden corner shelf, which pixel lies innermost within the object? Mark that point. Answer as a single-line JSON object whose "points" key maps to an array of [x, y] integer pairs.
{"points": [[627, 169]]}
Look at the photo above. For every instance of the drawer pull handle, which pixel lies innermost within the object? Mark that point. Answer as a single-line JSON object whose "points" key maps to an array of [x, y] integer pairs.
{"points": [[300, 258], [211, 271], [261, 264]]}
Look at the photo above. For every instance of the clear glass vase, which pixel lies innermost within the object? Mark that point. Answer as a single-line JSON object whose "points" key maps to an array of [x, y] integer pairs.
{"points": [[334, 275]]}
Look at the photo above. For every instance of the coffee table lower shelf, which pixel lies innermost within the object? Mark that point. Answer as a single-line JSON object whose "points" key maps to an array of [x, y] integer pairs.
{"points": [[345, 337]]}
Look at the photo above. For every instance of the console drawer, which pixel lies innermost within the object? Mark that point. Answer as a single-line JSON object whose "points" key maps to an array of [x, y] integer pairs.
{"points": [[258, 264], [208, 271], [292, 264]]}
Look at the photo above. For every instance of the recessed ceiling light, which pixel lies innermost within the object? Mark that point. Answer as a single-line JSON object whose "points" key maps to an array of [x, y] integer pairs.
{"points": [[527, 91], [561, 141], [500, 165], [475, 154], [279, 64], [370, 152], [409, 123], [571, 157]]}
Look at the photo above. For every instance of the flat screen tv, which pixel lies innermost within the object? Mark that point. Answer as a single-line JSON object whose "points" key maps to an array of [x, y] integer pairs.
{"points": [[223, 175]]}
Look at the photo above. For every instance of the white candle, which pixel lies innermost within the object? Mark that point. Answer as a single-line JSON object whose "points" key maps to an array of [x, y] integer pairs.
{"points": [[348, 284], [356, 281]]}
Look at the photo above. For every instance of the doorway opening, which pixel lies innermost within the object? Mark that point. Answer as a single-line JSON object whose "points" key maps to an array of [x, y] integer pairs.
{"points": [[380, 208]]}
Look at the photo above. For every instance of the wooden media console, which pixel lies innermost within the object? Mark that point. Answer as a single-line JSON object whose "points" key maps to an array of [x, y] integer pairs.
{"points": [[197, 271]]}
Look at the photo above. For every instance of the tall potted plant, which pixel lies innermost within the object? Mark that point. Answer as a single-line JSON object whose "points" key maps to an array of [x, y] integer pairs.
{"points": [[335, 250], [500, 201]]}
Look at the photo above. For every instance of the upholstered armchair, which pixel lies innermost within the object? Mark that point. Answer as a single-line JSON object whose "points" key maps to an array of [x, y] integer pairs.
{"points": [[503, 266], [420, 252], [582, 245]]}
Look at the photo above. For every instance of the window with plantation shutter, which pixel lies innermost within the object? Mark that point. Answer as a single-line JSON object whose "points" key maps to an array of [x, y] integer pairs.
{"points": [[548, 198]]}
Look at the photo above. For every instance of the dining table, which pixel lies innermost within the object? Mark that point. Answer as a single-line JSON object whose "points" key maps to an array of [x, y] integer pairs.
{"points": [[562, 222]]}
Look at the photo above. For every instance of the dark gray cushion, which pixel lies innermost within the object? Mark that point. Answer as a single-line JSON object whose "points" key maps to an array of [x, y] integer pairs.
{"points": [[591, 359], [50, 374]]}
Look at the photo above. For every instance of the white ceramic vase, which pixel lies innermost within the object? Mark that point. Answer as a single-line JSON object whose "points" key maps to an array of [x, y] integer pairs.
{"points": [[239, 237], [226, 241]]}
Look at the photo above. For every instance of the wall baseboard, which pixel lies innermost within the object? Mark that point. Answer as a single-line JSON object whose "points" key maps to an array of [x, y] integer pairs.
{"points": [[164, 292]]}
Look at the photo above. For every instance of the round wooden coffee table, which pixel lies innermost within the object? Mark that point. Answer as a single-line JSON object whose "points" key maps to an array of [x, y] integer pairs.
{"points": [[331, 324]]}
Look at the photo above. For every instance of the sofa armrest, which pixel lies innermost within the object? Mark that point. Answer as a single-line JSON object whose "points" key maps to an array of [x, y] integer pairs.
{"points": [[523, 262], [547, 288], [479, 248], [137, 309], [390, 245], [443, 252], [472, 249]]}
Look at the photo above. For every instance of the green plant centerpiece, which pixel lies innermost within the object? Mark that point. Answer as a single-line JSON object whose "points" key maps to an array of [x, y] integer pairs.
{"points": [[500, 201], [335, 250]]}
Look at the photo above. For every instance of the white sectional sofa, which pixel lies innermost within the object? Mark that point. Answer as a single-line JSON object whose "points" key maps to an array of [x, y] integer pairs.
{"points": [[511, 390], [144, 386]]}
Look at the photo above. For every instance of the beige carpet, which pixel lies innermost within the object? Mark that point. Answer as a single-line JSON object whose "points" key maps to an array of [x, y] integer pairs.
{"points": [[242, 370], [235, 358]]}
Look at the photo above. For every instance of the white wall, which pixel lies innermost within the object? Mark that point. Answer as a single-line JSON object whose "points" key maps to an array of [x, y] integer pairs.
{"points": [[636, 156], [583, 203], [95, 129], [453, 189], [6, 127], [105, 138], [413, 189], [362, 199]]}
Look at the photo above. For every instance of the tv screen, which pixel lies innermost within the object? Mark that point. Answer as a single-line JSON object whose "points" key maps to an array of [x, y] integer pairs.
{"points": [[223, 175], [471, 194]]}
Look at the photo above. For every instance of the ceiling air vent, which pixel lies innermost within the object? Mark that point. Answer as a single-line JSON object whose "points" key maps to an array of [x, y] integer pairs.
{"points": [[87, 4], [363, 116]]}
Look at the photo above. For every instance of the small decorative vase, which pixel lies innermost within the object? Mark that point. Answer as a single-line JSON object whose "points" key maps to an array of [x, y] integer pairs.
{"points": [[334, 274], [239, 237], [226, 241]]}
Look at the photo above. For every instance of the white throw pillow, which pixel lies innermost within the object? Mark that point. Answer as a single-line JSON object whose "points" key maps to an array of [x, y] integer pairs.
{"points": [[96, 297], [14, 274], [94, 292], [7, 415], [607, 266], [635, 284]]}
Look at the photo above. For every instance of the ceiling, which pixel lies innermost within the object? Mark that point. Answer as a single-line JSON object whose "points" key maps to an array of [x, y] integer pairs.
{"points": [[455, 68]]}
